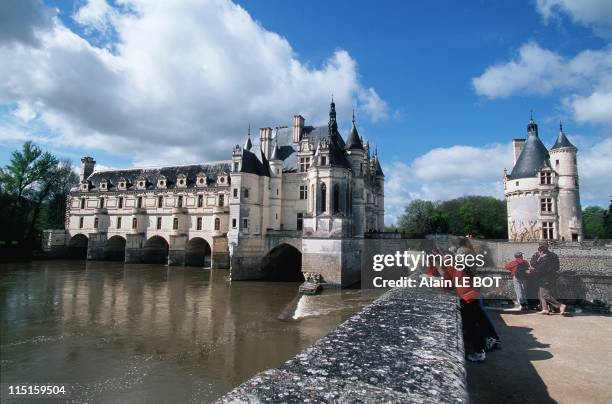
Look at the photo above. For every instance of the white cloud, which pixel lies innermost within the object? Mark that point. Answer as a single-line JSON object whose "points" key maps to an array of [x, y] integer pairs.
{"points": [[596, 107], [592, 13], [451, 172], [584, 81], [180, 82], [446, 173]]}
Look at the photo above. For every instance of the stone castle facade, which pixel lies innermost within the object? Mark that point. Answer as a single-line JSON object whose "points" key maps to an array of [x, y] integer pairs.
{"points": [[542, 191], [299, 194]]}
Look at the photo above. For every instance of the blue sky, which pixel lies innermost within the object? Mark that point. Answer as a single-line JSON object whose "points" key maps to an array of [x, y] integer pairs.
{"points": [[440, 88]]}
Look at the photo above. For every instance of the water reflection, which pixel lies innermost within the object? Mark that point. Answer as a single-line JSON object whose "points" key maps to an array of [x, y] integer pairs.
{"points": [[148, 333]]}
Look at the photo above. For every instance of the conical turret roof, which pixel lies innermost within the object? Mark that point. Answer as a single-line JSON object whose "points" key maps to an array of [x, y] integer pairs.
{"points": [[562, 140], [532, 158], [353, 141]]}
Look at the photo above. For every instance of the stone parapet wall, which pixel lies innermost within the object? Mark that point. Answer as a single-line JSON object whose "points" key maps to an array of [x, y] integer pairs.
{"points": [[407, 346]]}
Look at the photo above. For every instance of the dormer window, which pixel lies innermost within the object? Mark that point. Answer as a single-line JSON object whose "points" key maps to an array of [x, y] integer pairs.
{"points": [[323, 160], [122, 184], [104, 185], [141, 182], [181, 181], [222, 179], [161, 182], [84, 187]]}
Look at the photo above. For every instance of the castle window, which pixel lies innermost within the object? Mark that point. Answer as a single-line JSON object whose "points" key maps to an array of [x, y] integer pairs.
{"points": [[517, 183], [221, 200], [303, 192], [199, 223], [217, 223], [235, 167], [83, 203], [80, 223], [179, 201], [96, 222], [546, 204], [235, 192], [139, 202], [575, 181], [134, 223], [323, 198], [118, 222], [245, 223], [141, 184], [200, 201], [245, 192], [323, 160], [233, 223], [547, 231], [300, 221], [159, 223], [336, 198], [304, 164], [222, 180], [312, 197], [545, 178], [557, 162], [160, 201], [103, 185], [175, 223], [181, 182], [101, 203], [120, 203]]}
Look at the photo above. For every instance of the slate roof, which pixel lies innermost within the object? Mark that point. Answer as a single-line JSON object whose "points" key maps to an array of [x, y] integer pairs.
{"points": [[562, 141], [533, 157], [151, 175], [287, 150], [353, 141]]}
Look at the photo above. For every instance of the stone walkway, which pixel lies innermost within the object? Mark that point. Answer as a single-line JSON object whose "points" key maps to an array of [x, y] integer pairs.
{"points": [[546, 359]]}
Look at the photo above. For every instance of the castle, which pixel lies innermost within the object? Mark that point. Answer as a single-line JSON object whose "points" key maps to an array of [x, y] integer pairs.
{"points": [[542, 191], [298, 200]]}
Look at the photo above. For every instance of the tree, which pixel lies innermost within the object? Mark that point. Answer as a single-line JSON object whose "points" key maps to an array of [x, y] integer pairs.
{"points": [[481, 216], [32, 183], [594, 222]]}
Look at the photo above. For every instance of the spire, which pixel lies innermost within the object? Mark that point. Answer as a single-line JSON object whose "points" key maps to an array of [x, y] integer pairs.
{"points": [[333, 125], [353, 141], [532, 127], [562, 140], [248, 144]]}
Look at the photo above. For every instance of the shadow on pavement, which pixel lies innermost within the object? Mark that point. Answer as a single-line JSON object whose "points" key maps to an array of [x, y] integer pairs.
{"points": [[508, 376]]}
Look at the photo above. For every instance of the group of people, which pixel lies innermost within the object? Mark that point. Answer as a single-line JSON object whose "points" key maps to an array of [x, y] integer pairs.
{"points": [[542, 272]]}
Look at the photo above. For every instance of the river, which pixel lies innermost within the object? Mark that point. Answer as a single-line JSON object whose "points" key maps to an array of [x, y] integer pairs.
{"points": [[118, 333]]}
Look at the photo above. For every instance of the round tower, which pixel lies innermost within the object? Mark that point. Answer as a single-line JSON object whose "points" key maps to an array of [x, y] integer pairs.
{"points": [[530, 191], [564, 162]]}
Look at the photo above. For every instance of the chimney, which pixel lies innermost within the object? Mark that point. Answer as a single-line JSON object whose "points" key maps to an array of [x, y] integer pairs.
{"points": [[298, 125], [265, 139], [87, 167], [517, 147]]}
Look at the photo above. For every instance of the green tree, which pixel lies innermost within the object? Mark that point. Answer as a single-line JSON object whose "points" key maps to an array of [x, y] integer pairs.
{"points": [[30, 185], [594, 222]]}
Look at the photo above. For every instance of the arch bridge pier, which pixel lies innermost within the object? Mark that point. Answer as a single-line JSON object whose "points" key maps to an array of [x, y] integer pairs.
{"points": [[139, 248]]}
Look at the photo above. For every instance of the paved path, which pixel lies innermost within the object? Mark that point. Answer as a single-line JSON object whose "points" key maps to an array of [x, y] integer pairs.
{"points": [[546, 359]]}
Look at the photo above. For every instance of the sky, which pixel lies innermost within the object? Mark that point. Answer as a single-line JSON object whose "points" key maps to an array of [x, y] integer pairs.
{"points": [[440, 88]]}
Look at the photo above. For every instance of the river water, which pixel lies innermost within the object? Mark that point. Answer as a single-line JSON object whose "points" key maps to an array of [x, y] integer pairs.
{"points": [[118, 333]]}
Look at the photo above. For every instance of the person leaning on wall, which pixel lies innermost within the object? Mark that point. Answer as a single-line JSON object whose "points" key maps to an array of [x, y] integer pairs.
{"points": [[544, 266]]}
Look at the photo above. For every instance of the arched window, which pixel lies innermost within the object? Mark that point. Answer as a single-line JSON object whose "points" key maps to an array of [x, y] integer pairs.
{"points": [[323, 198], [336, 197], [217, 223]]}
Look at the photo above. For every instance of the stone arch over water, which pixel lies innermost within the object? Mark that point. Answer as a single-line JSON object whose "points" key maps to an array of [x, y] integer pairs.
{"points": [[198, 253], [114, 249], [77, 246], [283, 263], [155, 251]]}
